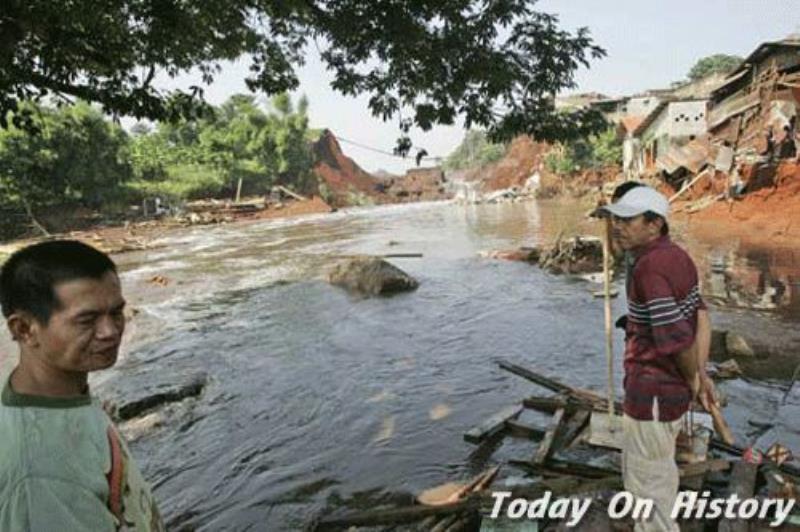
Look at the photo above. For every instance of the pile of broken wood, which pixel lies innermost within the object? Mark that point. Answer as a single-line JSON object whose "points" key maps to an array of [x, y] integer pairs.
{"points": [[579, 425]]}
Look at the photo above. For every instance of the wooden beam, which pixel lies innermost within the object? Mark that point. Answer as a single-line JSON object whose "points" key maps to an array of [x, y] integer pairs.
{"points": [[524, 431], [548, 405], [544, 449], [546, 382], [572, 428], [559, 487], [561, 468], [493, 425], [587, 397], [291, 193], [701, 468]]}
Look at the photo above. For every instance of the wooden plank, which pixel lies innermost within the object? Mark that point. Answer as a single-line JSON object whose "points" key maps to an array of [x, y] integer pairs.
{"points": [[580, 395], [544, 449], [560, 468], [546, 382], [548, 405], [605, 431], [291, 193], [521, 430], [701, 468], [743, 484], [559, 487], [493, 425], [577, 469], [574, 425]]}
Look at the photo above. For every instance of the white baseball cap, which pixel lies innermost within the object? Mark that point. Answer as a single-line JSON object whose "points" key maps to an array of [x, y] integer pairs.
{"points": [[638, 201]]}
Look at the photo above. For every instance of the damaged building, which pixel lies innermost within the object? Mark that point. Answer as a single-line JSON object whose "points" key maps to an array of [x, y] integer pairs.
{"points": [[657, 141], [760, 96], [720, 121]]}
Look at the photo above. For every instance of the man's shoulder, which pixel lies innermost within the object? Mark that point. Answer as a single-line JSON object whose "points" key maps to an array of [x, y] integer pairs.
{"points": [[664, 259], [51, 442]]}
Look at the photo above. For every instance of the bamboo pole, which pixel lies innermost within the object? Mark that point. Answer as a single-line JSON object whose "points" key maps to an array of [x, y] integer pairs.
{"points": [[608, 321]]}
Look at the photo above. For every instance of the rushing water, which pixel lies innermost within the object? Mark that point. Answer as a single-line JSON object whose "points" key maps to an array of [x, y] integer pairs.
{"points": [[318, 399]]}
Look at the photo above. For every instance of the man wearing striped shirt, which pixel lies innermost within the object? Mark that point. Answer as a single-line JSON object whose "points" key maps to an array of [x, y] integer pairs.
{"points": [[660, 349]]}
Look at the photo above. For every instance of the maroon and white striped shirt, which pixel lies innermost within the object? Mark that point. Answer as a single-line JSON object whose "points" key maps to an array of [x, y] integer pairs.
{"points": [[663, 300]]}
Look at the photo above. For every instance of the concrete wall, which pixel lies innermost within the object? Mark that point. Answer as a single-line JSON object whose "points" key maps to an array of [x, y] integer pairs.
{"points": [[687, 118]]}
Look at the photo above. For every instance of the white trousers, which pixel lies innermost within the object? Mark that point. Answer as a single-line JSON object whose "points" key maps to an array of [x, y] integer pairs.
{"points": [[649, 470]]}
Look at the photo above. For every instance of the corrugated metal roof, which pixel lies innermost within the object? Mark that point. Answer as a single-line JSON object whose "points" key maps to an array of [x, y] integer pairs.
{"points": [[692, 156], [763, 50]]}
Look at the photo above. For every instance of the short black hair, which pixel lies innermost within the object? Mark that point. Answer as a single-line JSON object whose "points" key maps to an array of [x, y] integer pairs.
{"points": [[29, 276], [650, 216], [623, 188]]}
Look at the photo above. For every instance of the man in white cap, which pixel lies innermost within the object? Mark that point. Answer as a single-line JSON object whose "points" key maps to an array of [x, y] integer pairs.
{"points": [[661, 370]]}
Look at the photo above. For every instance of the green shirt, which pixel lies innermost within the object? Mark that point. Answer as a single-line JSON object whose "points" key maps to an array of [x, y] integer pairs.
{"points": [[64, 467]]}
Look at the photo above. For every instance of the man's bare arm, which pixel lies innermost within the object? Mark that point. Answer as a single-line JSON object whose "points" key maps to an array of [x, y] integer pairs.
{"points": [[706, 388]]}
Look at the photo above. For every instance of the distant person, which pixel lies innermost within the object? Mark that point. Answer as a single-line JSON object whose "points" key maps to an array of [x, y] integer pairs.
{"points": [[787, 148], [769, 152], [737, 186], [63, 465], [663, 338]]}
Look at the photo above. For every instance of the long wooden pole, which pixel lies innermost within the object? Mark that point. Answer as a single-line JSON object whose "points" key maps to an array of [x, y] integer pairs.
{"points": [[607, 305]]}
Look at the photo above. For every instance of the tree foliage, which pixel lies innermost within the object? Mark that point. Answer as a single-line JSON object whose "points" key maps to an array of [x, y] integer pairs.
{"points": [[474, 151], [497, 64], [595, 151], [77, 157], [713, 64], [238, 140]]}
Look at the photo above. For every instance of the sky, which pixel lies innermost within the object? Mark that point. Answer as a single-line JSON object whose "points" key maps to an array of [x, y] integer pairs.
{"points": [[648, 45]]}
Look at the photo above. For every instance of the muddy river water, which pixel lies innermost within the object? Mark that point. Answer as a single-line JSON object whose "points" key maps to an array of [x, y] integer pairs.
{"points": [[317, 399]]}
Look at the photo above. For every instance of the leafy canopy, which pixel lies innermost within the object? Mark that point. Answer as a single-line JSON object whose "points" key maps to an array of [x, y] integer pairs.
{"points": [[496, 63], [239, 140], [713, 64], [475, 151], [593, 152]]}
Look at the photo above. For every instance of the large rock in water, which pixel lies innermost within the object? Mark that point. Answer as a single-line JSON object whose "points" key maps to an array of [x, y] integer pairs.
{"points": [[371, 276], [155, 395]]}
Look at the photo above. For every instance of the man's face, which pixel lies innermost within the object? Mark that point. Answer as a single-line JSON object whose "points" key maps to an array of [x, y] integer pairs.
{"points": [[635, 232], [84, 334]]}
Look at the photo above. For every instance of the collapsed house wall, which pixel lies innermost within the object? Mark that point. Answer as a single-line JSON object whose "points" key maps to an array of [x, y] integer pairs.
{"points": [[687, 119]]}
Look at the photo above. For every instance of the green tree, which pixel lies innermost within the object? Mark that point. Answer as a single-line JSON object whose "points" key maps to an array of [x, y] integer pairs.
{"points": [[497, 64], [713, 64], [606, 148], [475, 151], [595, 151], [77, 158], [238, 140]]}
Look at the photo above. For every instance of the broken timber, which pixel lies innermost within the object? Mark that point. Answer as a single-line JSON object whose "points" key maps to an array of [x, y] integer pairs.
{"points": [[544, 449], [493, 425], [570, 409], [520, 430], [582, 398], [560, 487]]}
